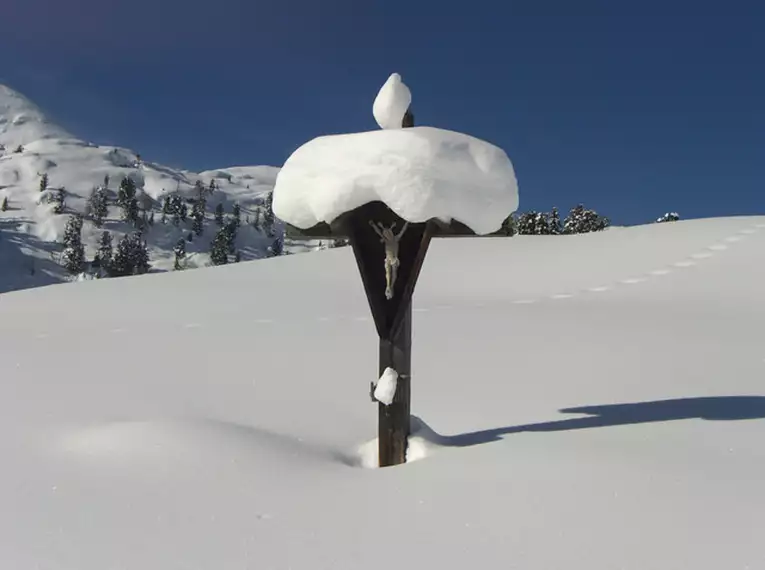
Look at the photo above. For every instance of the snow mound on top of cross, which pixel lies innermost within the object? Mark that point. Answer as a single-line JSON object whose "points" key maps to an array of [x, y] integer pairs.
{"points": [[420, 173]]}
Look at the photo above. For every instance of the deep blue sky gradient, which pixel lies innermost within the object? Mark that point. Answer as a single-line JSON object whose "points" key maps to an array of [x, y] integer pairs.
{"points": [[633, 108]]}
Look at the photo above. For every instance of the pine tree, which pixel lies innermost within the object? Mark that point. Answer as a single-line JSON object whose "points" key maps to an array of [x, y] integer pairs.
{"points": [[19, 149], [212, 188], [231, 235], [59, 200], [580, 220], [198, 216], [132, 256], [237, 213], [183, 212], [105, 251], [44, 182], [533, 223], [74, 251], [126, 199], [219, 214], [4, 206], [167, 208], [668, 217], [97, 206], [268, 214], [151, 218], [190, 237], [555, 226], [219, 247], [277, 247], [256, 221], [199, 189], [180, 255], [106, 182]]}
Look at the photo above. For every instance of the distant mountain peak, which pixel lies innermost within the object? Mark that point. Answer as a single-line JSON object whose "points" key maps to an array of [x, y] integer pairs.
{"points": [[22, 122]]}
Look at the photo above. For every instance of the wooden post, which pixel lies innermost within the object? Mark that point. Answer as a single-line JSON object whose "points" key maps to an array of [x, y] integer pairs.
{"points": [[393, 420]]}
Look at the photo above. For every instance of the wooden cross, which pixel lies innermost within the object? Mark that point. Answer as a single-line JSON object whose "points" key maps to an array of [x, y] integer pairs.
{"points": [[389, 253]]}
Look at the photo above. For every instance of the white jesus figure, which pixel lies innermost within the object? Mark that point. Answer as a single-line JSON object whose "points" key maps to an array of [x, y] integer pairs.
{"points": [[390, 240]]}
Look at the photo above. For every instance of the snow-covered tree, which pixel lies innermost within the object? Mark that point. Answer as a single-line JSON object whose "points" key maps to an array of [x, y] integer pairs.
{"points": [[219, 247], [268, 214], [534, 223], [668, 217], [277, 247], [19, 149], [58, 198], [44, 180], [256, 220], [219, 214], [127, 200], [198, 215], [231, 231], [151, 218], [180, 254], [199, 189], [237, 213], [554, 223], [131, 257], [97, 205], [103, 258], [212, 187], [183, 212], [4, 206], [580, 220], [74, 251]]}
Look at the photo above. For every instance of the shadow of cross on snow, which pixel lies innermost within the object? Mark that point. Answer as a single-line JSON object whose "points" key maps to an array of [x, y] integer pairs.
{"points": [[718, 408]]}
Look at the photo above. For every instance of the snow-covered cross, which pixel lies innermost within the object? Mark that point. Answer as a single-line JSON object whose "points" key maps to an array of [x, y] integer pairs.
{"points": [[362, 186]]}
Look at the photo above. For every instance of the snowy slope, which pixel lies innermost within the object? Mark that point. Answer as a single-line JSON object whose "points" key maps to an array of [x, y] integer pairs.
{"points": [[600, 400], [30, 232]]}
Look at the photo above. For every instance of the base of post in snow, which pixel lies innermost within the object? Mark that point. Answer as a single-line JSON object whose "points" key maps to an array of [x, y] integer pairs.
{"points": [[393, 425]]}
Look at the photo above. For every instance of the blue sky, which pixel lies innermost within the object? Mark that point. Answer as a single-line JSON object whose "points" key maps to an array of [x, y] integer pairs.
{"points": [[633, 108]]}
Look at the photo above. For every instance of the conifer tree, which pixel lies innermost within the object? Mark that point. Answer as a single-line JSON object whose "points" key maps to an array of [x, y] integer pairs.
{"points": [[4, 206], [44, 182], [74, 251], [103, 258], [219, 214], [180, 254], [219, 247], [237, 213]]}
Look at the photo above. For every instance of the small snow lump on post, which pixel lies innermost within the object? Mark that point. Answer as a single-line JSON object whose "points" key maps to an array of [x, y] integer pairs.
{"points": [[420, 173], [392, 103]]}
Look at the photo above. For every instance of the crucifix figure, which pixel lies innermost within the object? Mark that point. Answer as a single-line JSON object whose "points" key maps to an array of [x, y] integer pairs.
{"points": [[390, 241]]}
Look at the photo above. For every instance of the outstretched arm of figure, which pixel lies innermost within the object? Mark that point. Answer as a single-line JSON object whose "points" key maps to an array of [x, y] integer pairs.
{"points": [[398, 236], [377, 230]]}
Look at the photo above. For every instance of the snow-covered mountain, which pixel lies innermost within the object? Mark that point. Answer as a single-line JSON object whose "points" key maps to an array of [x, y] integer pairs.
{"points": [[30, 232], [597, 401]]}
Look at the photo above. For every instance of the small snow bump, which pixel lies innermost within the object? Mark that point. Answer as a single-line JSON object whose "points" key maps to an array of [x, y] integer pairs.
{"points": [[634, 280], [117, 331], [323, 319], [562, 296], [42, 336], [733, 239], [193, 325], [719, 246], [264, 321], [524, 302], [659, 272], [599, 289], [761, 225], [748, 231], [687, 263], [702, 255], [361, 319]]}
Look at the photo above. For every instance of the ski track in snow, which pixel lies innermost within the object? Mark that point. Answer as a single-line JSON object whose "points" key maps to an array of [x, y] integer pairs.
{"points": [[690, 261]]}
